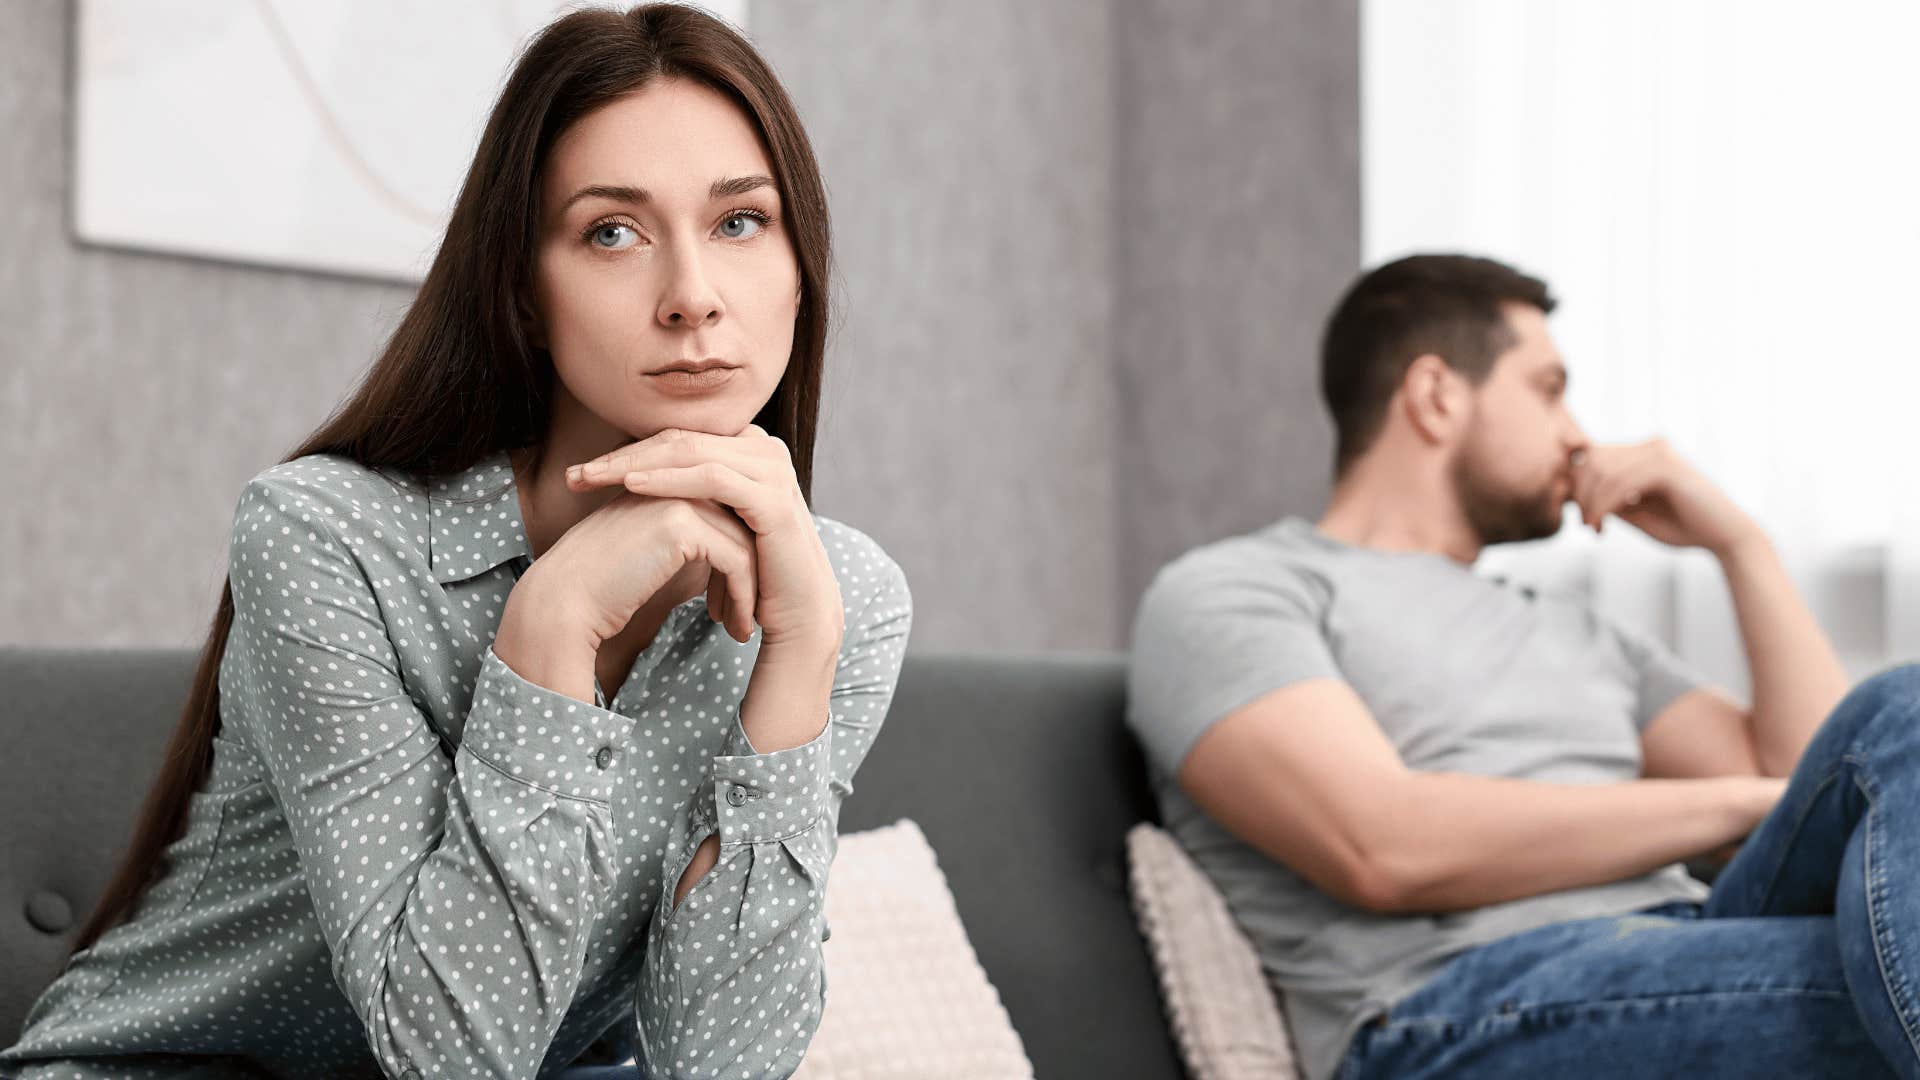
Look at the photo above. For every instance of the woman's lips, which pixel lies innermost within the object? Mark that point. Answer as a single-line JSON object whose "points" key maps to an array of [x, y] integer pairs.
{"points": [[681, 382]]}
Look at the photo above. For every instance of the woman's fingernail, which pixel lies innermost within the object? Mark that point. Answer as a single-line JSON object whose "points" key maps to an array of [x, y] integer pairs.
{"points": [[573, 472], [595, 468]]}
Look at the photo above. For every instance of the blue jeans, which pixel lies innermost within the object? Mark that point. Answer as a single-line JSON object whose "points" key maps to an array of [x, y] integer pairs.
{"points": [[1803, 961]]}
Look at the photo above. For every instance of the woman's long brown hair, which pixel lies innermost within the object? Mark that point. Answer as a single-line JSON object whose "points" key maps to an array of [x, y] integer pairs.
{"points": [[459, 379]]}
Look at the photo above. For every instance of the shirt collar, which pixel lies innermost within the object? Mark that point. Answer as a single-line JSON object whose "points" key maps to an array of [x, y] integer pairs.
{"points": [[473, 520]]}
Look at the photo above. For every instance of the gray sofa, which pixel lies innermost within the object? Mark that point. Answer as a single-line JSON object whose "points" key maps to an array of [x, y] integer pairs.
{"points": [[1017, 768]]}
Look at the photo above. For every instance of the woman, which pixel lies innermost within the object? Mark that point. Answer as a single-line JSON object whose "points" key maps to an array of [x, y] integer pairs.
{"points": [[490, 755]]}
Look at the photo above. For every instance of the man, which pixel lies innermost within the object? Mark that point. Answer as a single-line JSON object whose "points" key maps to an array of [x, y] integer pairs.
{"points": [[1452, 813]]}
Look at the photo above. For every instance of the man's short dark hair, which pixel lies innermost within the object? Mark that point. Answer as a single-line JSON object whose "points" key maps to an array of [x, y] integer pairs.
{"points": [[1448, 305]]}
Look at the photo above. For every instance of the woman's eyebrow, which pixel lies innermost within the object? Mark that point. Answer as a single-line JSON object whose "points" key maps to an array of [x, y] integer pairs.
{"points": [[616, 192], [635, 196], [738, 185]]}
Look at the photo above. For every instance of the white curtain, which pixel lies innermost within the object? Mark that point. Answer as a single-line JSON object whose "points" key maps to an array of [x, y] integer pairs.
{"points": [[1726, 197]]}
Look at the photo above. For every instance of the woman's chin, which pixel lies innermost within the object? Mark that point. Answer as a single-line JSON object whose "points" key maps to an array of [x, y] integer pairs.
{"points": [[713, 419]]}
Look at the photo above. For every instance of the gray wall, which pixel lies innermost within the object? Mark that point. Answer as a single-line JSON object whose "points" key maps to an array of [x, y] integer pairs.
{"points": [[968, 152], [1239, 214], [141, 391], [1083, 247]]}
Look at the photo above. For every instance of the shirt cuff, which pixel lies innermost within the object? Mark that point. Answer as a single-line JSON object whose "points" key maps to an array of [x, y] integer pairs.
{"points": [[763, 797], [542, 737]]}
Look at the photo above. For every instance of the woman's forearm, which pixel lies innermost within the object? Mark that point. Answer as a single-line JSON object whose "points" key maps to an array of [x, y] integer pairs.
{"points": [[541, 644], [785, 704]]}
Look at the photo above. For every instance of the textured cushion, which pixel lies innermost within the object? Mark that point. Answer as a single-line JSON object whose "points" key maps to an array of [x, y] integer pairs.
{"points": [[1223, 1013], [907, 998]]}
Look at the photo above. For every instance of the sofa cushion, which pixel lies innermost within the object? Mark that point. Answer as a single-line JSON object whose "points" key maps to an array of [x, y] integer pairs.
{"points": [[1219, 1004], [906, 996]]}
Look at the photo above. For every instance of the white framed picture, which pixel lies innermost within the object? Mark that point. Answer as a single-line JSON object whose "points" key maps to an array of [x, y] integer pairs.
{"points": [[328, 136]]}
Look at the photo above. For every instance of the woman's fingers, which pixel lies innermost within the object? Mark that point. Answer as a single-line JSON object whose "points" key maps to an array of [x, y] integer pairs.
{"points": [[764, 508], [753, 453], [717, 599], [730, 555], [751, 478]]}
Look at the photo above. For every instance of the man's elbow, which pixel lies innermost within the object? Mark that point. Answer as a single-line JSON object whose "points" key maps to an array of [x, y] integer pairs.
{"points": [[1399, 879], [1371, 883]]}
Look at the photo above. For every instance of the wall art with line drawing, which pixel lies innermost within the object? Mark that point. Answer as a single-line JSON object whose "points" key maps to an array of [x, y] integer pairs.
{"points": [[329, 137]]}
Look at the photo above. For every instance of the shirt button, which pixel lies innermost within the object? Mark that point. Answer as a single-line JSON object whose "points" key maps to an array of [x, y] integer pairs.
{"points": [[410, 1074], [736, 796], [603, 758]]}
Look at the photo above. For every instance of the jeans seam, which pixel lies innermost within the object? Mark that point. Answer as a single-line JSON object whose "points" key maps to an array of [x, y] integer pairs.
{"points": [[1885, 949]]}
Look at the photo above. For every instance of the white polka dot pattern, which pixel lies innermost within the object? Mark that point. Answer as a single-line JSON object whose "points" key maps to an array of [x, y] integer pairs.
{"points": [[409, 861]]}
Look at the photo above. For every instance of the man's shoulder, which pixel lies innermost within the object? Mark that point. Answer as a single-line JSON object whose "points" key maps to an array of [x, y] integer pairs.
{"points": [[1262, 573], [1274, 555]]}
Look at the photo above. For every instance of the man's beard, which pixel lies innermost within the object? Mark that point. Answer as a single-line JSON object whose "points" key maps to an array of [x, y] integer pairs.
{"points": [[1502, 517]]}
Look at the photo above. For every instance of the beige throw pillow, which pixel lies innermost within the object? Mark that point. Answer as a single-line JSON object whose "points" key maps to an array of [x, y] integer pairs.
{"points": [[907, 998], [1222, 1011]]}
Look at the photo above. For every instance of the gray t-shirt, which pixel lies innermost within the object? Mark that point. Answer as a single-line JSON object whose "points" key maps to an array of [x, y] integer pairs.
{"points": [[1463, 672]]}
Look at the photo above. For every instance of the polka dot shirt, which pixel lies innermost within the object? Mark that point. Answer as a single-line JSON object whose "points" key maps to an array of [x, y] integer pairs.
{"points": [[408, 861]]}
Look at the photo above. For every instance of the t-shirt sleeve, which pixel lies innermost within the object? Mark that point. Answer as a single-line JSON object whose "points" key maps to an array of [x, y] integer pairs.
{"points": [[1659, 674], [1213, 634]]}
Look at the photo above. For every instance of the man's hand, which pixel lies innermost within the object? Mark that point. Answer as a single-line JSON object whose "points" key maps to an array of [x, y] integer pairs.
{"points": [[1797, 678], [1651, 488]]}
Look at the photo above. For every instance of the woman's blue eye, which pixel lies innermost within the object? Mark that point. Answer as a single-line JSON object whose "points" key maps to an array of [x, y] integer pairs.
{"points": [[736, 227], [611, 227]]}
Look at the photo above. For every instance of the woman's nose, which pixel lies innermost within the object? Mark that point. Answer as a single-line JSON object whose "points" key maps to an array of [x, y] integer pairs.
{"points": [[690, 298]]}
